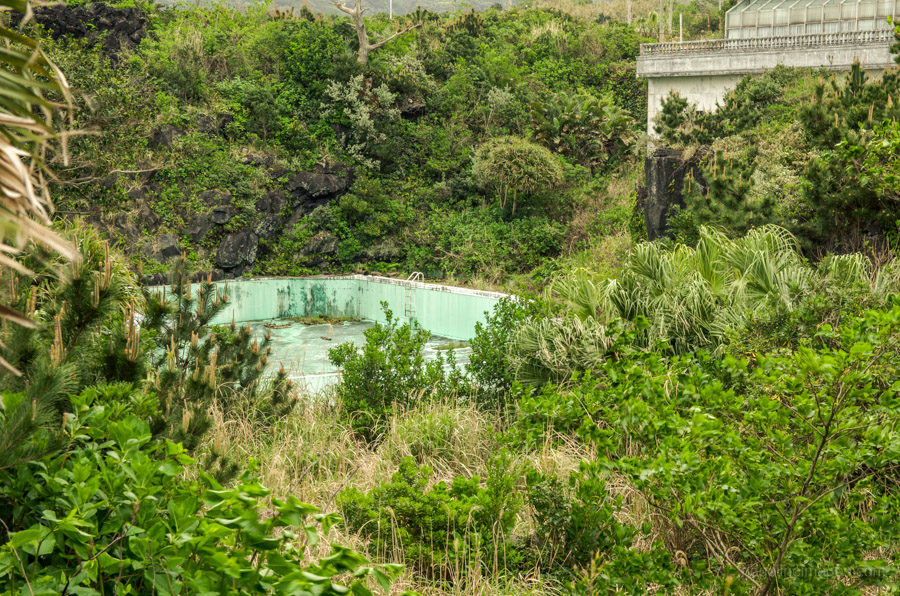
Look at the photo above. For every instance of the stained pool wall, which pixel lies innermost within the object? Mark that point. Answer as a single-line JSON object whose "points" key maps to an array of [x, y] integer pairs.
{"points": [[442, 310]]}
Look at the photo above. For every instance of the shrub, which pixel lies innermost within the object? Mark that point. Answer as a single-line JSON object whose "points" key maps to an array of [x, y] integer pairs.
{"points": [[111, 515], [309, 58], [509, 165], [389, 370], [780, 471], [574, 524], [489, 365]]}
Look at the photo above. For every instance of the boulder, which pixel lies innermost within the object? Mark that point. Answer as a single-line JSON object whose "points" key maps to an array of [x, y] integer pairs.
{"points": [[386, 250], [317, 185], [167, 246], [163, 137], [222, 214], [216, 197], [117, 28], [206, 123], [271, 202], [138, 193], [145, 217], [257, 159], [322, 244], [237, 249], [269, 227], [199, 226]]}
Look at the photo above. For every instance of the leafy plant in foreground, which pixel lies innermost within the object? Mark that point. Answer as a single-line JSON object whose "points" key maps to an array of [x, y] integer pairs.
{"points": [[780, 474], [119, 519]]}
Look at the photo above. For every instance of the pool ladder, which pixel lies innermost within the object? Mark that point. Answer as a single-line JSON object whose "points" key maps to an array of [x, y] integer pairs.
{"points": [[409, 304]]}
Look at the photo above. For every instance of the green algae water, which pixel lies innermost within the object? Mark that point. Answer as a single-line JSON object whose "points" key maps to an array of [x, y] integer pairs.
{"points": [[449, 313]]}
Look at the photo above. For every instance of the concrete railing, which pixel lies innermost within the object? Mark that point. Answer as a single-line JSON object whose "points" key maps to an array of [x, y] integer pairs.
{"points": [[814, 40]]}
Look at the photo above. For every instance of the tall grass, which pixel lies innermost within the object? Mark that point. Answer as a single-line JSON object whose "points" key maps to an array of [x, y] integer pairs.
{"points": [[313, 455]]}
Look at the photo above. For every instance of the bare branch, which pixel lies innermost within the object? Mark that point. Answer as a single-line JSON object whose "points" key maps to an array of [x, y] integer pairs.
{"points": [[343, 8], [375, 46]]}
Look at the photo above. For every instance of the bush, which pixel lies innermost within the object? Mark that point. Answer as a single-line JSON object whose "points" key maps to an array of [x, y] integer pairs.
{"points": [[574, 524], [509, 165], [489, 364], [390, 370], [112, 515], [780, 472]]}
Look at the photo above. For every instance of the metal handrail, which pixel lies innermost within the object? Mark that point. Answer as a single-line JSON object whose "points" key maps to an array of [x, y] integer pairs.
{"points": [[416, 276], [769, 43]]}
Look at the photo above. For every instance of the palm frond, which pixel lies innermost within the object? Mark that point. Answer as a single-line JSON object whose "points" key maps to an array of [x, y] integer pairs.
{"points": [[34, 101]]}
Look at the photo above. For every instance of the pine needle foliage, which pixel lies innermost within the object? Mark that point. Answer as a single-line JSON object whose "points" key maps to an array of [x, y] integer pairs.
{"points": [[196, 364], [80, 308]]}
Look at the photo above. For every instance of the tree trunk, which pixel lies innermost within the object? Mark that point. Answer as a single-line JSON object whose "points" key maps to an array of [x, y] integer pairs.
{"points": [[359, 23], [671, 10], [628, 9]]}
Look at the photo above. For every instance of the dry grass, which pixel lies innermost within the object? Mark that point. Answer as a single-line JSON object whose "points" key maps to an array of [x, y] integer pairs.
{"points": [[312, 455]]}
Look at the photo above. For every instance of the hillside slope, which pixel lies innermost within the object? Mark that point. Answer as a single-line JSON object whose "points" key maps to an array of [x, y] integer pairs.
{"points": [[256, 144]]}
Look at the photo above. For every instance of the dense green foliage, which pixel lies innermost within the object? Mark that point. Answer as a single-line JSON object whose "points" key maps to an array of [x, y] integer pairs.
{"points": [[441, 528], [830, 180], [111, 515], [390, 371], [259, 129]]}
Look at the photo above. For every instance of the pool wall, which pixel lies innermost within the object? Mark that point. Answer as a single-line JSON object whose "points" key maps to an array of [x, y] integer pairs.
{"points": [[443, 310]]}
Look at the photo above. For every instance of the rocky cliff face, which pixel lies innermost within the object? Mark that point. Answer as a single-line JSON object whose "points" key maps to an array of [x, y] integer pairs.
{"points": [[664, 173], [211, 226], [118, 27]]}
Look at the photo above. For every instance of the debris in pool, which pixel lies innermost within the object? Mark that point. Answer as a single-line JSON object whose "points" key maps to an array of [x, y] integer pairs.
{"points": [[456, 345], [323, 320], [278, 326], [331, 331]]}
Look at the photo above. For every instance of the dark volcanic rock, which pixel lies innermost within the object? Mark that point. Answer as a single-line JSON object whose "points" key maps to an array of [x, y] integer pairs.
{"points": [[317, 185], [216, 197], [118, 27], [199, 226], [138, 193], [664, 174], [222, 214], [323, 244], [383, 251], [237, 249], [272, 202], [269, 227], [168, 246], [163, 137]]}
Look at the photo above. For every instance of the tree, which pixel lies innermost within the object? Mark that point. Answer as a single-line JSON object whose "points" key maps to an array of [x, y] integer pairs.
{"points": [[365, 46], [513, 165], [591, 132]]}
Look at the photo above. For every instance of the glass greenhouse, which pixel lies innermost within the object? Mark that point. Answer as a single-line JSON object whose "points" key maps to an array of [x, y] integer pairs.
{"points": [[777, 18]]}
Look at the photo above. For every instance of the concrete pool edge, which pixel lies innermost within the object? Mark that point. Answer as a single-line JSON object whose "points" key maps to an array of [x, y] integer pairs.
{"points": [[448, 311]]}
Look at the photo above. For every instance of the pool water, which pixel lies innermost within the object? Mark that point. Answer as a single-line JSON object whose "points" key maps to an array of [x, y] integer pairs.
{"points": [[303, 349]]}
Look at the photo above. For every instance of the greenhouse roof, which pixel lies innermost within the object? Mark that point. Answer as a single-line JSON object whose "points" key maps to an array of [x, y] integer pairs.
{"points": [[781, 18]]}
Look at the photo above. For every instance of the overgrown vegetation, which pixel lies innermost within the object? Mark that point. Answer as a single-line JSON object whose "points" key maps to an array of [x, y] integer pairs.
{"points": [[256, 142], [713, 413]]}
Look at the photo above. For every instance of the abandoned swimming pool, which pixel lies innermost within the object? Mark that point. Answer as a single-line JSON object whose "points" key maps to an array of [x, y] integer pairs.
{"points": [[449, 313]]}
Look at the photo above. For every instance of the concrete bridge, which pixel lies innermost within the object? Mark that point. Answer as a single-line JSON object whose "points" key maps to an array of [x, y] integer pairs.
{"points": [[703, 71]]}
